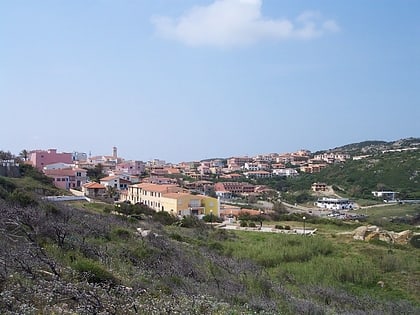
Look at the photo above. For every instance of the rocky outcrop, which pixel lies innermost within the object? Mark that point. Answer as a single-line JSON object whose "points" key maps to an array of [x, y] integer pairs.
{"points": [[367, 233]]}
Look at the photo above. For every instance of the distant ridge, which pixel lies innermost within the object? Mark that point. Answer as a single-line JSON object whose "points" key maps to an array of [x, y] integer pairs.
{"points": [[373, 146]]}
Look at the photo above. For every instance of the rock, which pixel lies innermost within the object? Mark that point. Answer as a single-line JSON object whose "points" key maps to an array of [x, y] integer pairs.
{"points": [[403, 237], [372, 236], [359, 233], [386, 237]]}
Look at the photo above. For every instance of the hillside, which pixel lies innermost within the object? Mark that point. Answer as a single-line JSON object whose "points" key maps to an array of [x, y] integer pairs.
{"points": [[375, 146], [80, 258], [395, 171]]}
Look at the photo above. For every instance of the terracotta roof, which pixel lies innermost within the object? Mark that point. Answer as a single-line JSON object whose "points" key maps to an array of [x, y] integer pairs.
{"points": [[94, 185], [177, 195], [158, 188]]}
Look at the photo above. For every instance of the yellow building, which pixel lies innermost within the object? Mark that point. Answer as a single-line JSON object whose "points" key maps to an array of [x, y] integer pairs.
{"points": [[172, 199], [188, 204]]}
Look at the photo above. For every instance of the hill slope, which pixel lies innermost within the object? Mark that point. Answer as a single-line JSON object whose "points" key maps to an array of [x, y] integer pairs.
{"points": [[59, 259]]}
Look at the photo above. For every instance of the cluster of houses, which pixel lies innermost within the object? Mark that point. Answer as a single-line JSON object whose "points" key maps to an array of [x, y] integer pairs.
{"points": [[163, 192]]}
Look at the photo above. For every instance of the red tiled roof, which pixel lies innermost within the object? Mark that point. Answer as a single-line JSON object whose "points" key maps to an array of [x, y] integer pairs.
{"points": [[158, 188], [94, 185]]}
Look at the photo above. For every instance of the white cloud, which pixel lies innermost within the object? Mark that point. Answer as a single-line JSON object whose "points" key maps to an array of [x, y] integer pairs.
{"points": [[227, 23]]}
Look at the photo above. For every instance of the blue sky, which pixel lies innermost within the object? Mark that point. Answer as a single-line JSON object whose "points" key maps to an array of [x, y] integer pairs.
{"points": [[185, 80]]}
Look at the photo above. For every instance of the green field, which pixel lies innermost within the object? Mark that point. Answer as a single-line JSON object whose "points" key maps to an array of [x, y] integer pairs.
{"points": [[333, 262]]}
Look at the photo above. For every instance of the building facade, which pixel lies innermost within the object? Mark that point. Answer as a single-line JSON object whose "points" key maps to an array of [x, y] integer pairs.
{"points": [[41, 158]]}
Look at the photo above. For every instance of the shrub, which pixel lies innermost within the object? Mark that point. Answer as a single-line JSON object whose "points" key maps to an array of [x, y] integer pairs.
{"points": [[190, 221], [23, 198], [287, 227], [122, 233], [217, 246], [93, 271], [279, 227], [164, 218], [176, 237], [252, 224], [390, 263], [415, 241], [243, 224]]}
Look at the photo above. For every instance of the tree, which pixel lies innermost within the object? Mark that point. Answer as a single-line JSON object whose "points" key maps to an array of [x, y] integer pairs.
{"points": [[6, 155], [96, 173], [24, 154]]}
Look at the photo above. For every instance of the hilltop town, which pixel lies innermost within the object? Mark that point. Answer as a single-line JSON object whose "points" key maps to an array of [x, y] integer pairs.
{"points": [[335, 231], [207, 187]]}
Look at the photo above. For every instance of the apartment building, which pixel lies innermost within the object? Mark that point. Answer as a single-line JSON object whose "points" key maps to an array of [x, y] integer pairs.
{"points": [[224, 188], [172, 199], [41, 158]]}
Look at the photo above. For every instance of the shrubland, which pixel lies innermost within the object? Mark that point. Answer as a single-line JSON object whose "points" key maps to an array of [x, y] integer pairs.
{"points": [[95, 258]]}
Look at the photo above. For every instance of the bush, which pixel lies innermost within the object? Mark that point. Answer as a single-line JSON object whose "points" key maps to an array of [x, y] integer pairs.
{"points": [[279, 227], [252, 224], [164, 218], [243, 224], [122, 233], [23, 198], [190, 221], [415, 241], [93, 271]]}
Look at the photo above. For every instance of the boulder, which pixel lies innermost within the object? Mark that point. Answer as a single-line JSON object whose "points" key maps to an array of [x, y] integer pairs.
{"points": [[359, 233], [403, 237], [372, 236]]}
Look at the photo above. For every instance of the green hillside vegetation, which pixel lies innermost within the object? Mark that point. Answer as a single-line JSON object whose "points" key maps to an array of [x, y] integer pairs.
{"points": [[81, 258], [397, 171], [374, 146]]}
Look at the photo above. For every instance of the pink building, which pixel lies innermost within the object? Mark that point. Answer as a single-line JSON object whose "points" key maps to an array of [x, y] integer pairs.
{"points": [[67, 178], [41, 158], [131, 167]]}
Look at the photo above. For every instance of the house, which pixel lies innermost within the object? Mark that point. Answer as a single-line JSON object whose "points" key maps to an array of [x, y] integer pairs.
{"points": [[67, 178], [335, 203], [228, 211], [41, 158], [149, 194], [287, 172], [134, 168], [9, 168], [312, 168], [57, 166], [171, 198], [159, 180], [93, 189], [319, 187], [187, 204], [386, 195], [257, 174], [332, 157], [116, 182], [234, 188]]}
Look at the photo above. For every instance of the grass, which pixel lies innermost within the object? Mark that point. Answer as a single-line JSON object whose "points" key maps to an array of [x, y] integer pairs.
{"points": [[339, 262], [391, 211]]}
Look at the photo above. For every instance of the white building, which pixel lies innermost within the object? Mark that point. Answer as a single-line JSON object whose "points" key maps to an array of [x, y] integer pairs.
{"points": [[288, 172], [386, 195], [335, 203]]}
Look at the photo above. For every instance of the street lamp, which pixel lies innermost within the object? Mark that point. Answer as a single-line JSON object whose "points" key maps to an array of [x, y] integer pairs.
{"points": [[304, 233], [211, 218]]}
